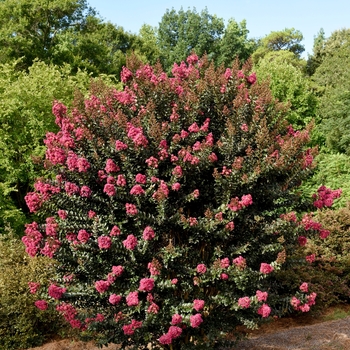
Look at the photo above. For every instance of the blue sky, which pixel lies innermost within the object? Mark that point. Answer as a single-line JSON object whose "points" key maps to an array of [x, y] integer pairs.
{"points": [[262, 16]]}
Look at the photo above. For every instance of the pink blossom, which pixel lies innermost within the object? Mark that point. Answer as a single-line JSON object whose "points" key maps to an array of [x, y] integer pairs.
{"points": [[310, 258], [174, 281], [304, 308], [192, 221], [146, 284], [244, 302], [295, 302], [193, 128], [41, 304], [115, 231], [83, 236], [148, 233], [120, 146], [85, 191], [50, 248], [302, 240], [153, 308], [117, 270], [195, 193], [131, 209], [196, 320], [125, 75], [252, 78], [192, 59], [130, 242], [102, 286], [33, 201], [176, 186], [83, 165], [121, 181], [177, 171], [198, 304], [104, 242], [33, 287], [264, 310], [132, 299], [91, 214], [230, 226], [153, 269], [111, 167], [246, 200], [109, 189], [71, 188], [224, 276], [141, 179], [239, 262], [224, 263], [55, 291], [201, 268], [176, 319], [183, 134], [152, 162], [266, 268], [244, 127], [261, 296], [213, 157], [174, 331], [165, 339], [304, 287], [137, 190], [114, 299], [324, 233], [228, 73], [311, 299]]}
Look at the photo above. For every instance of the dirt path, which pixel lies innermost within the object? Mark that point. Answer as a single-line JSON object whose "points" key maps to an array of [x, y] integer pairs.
{"points": [[304, 332]]}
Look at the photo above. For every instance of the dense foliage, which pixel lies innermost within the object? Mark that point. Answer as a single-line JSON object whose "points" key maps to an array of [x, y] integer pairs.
{"points": [[164, 215]]}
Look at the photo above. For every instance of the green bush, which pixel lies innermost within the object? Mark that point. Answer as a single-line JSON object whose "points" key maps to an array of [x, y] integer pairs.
{"points": [[21, 323], [164, 215]]}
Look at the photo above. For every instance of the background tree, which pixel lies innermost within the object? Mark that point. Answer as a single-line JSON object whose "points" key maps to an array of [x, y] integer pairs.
{"points": [[287, 39], [25, 117], [29, 29], [290, 85], [235, 43], [180, 33]]}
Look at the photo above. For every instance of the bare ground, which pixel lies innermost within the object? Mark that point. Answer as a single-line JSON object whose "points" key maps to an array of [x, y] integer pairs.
{"points": [[305, 332]]}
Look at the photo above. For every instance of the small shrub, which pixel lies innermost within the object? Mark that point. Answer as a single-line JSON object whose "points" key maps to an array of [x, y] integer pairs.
{"points": [[22, 325], [165, 212]]}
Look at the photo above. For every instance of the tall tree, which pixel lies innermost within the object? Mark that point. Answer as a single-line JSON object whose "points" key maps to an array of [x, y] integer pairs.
{"points": [[287, 39], [29, 29], [235, 43], [182, 32]]}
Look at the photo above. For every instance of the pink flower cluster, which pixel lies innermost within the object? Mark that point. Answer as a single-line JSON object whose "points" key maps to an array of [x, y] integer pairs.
{"points": [[33, 287], [325, 197], [266, 268], [41, 304], [129, 329], [146, 284], [148, 233], [55, 291], [173, 333], [69, 313], [32, 238], [297, 304], [130, 242], [132, 299], [236, 204], [309, 224], [136, 135]]}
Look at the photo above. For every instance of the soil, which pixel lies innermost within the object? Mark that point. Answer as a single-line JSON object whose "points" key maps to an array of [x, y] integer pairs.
{"points": [[303, 332]]}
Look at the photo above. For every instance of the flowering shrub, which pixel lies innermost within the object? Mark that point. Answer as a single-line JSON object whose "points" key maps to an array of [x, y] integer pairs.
{"points": [[165, 212]]}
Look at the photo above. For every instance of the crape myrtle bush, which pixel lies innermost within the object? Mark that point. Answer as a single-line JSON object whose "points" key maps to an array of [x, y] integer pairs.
{"points": [[165, 212]]}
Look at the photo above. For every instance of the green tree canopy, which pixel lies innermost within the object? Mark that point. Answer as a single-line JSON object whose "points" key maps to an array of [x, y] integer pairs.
{"points": [[287, 39], [182, 32], [289, 84], [25, 116]]}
